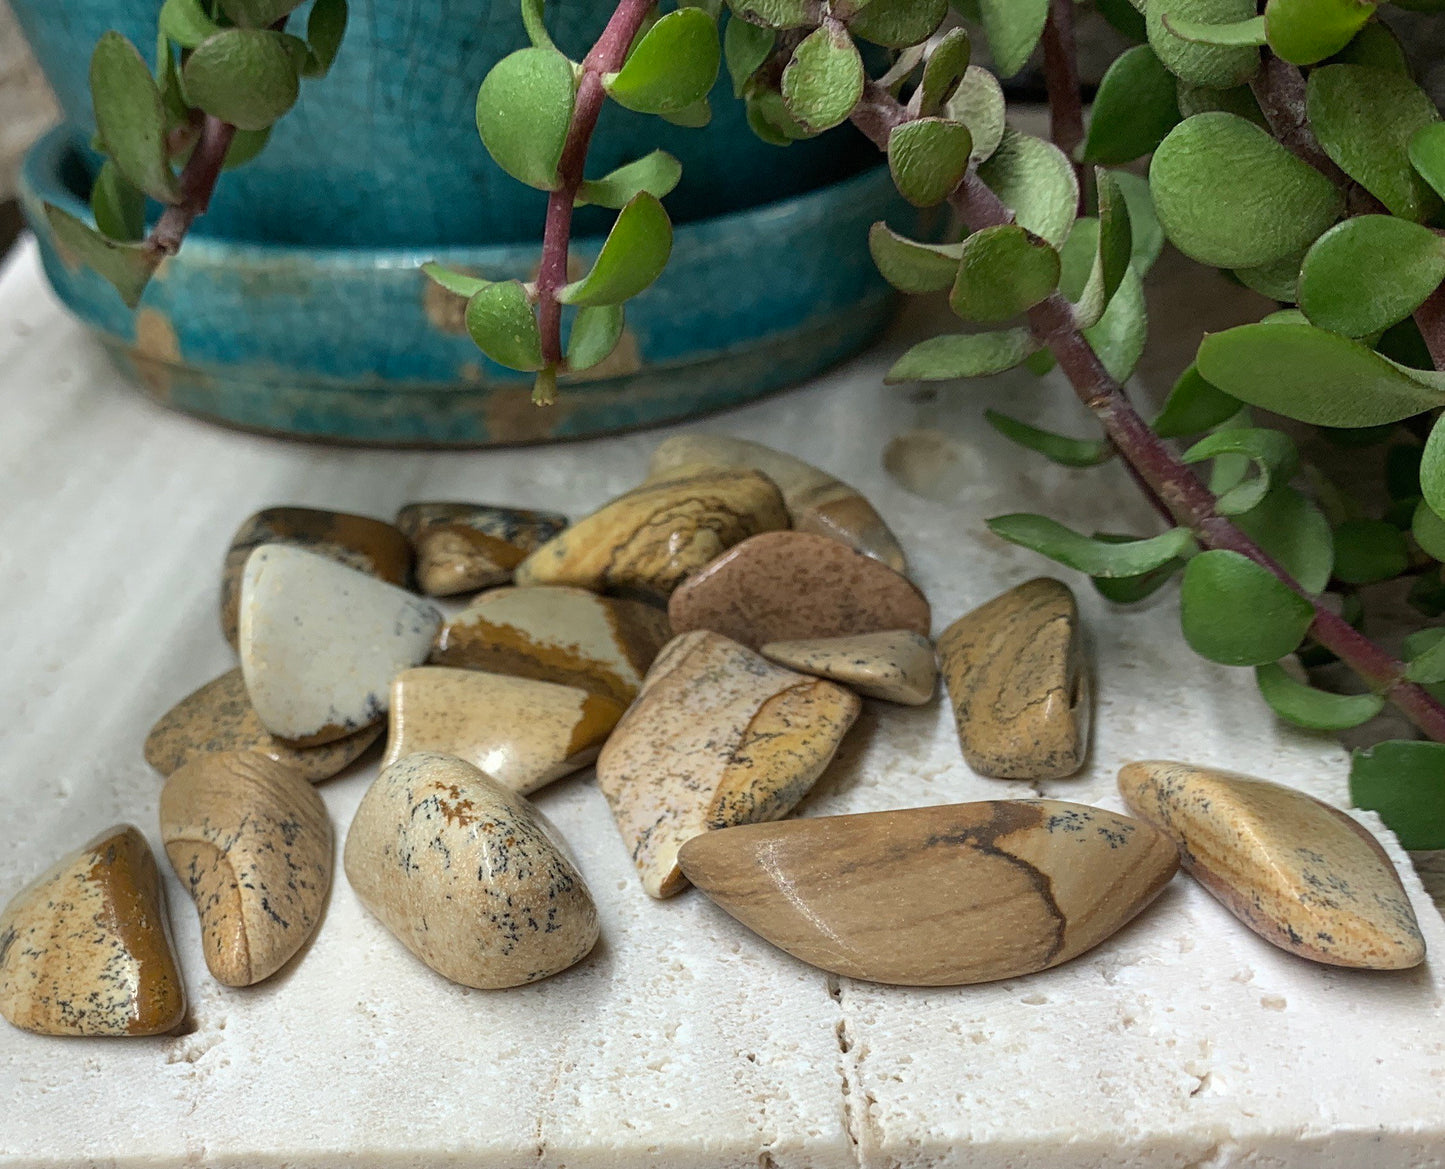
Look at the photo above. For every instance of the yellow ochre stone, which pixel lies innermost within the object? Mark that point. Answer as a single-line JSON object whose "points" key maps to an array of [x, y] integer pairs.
{"points": [[896, 665]]}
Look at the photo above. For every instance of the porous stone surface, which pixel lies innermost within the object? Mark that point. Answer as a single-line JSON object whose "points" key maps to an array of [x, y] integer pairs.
{"points": [[682, 1039]]}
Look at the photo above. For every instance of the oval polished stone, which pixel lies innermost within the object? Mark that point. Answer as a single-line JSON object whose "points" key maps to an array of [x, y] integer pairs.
{"points": [[251, 842], [790, 586], [896, 665], [554, 633], [1301, 874], [219, 717], [521, 732], [816, 501], [468, 875], [86, 948], [1019, 682], [320, 643], [939, 896], [718, 736], [645, 542], [462, 547], [358, 541]]}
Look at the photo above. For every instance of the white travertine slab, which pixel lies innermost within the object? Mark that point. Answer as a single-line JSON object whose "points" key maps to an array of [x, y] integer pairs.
{"points": [[682, 1040]]}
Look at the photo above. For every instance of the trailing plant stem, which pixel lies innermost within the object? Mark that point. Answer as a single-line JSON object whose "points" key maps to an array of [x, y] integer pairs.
{"points": [[1061, 77], [197, 182]]}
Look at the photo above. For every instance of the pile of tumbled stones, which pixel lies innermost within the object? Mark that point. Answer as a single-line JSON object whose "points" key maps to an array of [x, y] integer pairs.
{"points": [[705, 638]]}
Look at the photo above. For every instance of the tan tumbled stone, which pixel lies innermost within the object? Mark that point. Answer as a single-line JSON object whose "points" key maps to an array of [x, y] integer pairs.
{"points": [[357, 541], [86, 948], [468, 875], [816, 501], [896, 665], [554, 633], [718, 736], [521, 732], [1301, 874], [790, 586], [1018, 678], [219, 717], [646, 542], [937, 896], [462, 547]]}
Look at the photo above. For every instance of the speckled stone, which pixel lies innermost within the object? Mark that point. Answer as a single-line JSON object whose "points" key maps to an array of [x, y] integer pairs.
{"points": [[645, 542], [86, 948], [469, 875], [521, 732], [1298, 872], [358, 541], [718, 736], [250, 840], [816, 501], [219, 717], [1019, 681], [320, 643], [462, 547], [896, 665], [792, 586], [557, 634], [937, 896]]}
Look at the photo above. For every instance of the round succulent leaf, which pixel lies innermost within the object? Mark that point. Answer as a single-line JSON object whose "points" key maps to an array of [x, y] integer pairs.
{"points": [[1193, 406], [325, 28], [1013, 29], [186, 22], [1003, 271], [1425, 652], [1306, 31], [656, 173], [1271, 451], [245, 145], [1295, 533], [632, 257], [1079, 258], [524, 108], [672, 67], [1278, 281], [745, 47], [594, 335], [1125, 17], [1129, 590], [245, 76], [1428, 530], [1106, 558], [1236, 612], [1432, 468], [928, 158], [1427, 155], [1116, 233], [823, 80], [774, 13], [1228, 194], [1037, 181], [1403, 782], [1376, 46], [1365, 119], [128, 267], [978, 103], [1057, 448], [129, 116], [118, 206], [769, 119], [1145, 233], [258, 14], [1119, 336], [1238, 32], [501, 323], [1367, 273], [898, 23], [943, 70], [960, 355], [1217, 66], [461, 284], [1136, 106], [1367, 551], [1304, 706], [911, 266], [694, 117]]}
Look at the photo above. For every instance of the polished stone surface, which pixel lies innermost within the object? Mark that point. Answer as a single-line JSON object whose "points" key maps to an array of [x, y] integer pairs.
{"points": [[896, 665], [463, 547]]}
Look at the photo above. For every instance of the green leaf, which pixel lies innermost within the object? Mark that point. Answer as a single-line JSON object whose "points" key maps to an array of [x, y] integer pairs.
{"points": [[1081, 275], [1229, 195], [1367, 551], [769, 119], [129, 117], [128, 267], [1040, 362], [1004, 271], [1427, 594], [1315, 376], [1427, 155], [1306, 31], [911, 266], [524, 108], [1239, 32], [1116, 234], [1425, 650], [245, 145], [962, 355], [1193, 406], [656, 173], [1118, 338], [1125, 18], [1365, 118], [1235, 612], [694, 117], [1278, 281], [1134, 109], [1375, 46], [501, 323], [1305, 706], [244, 76], [1404, 783], [632, 257], [745, 47], [1432, 468], [1098, 558], [1217, 66], [898, 23], [672, 67], [978, 103], [1367, 273], [594, 335], [1057, 448], [773, 13], [186, 22], [1428, 530], [325, 28], [1037, 181], [258, 14], [945, 68], [1129, 590], [119, 208], [532, 21], [1271, 451], [1295, 533], [1200, 99], [1146, 236], [824, 79], [460, 283], [1013, 28], [928, 158]]}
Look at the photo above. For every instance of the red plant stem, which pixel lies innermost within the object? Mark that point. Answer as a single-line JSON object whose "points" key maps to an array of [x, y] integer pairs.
{"points": [[1061, 77], [606, 56], [197, 182], [1430, 319]]}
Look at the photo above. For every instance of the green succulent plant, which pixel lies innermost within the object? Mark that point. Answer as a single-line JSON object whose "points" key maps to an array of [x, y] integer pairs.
{"points": [[1290, 148]]}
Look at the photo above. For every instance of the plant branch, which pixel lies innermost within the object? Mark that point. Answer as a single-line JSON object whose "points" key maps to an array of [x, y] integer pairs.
{"points": [[1061, 79], [1430, 319], [197, 182]]}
